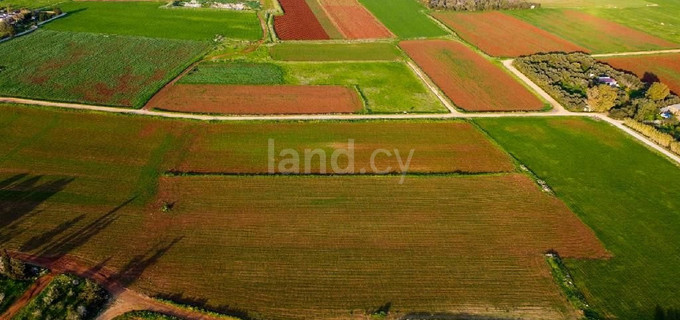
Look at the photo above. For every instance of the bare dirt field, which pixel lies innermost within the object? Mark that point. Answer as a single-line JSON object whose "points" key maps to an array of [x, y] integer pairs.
{"points": [[353, 20], [502, 35], [471, 81], [298, 22], [233, 99]]}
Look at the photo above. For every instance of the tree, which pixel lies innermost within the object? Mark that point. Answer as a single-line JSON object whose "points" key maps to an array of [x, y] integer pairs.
{"points": [[646, 109], [658, 91], [4, 262], [6, 29], [602, 98]]}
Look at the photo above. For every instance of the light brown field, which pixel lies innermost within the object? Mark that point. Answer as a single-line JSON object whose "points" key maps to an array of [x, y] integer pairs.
{"points": [[353, 20]]}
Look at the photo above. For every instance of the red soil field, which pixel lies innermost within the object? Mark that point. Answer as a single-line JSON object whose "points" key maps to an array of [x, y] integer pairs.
{"points": [[439, 147], [501, 35], [468, 79], [652, 68], [353, 20], [298, 22], [233, 99]]}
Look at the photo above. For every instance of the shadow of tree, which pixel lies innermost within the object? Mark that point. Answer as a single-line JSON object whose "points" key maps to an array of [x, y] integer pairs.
{"points": [[650, 78], [20, 195], [80, 236], [203, 304], [449, 316], [129, 273]]}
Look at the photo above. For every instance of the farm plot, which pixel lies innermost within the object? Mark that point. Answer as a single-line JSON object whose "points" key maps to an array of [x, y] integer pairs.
{"points": [[235, 73], [68, 66], [353, 20], [659, 19], [226, 99], [613, 4], [149, 19], [468, 79], [325, 21], [651, 68], [622, 193], [596, 34], [405, 18], [501, 35], [335, 52], [298, 22], [439, 147]]}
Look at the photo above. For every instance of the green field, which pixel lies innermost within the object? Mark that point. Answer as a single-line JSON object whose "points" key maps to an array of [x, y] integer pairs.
{"points": [[623, 191], [591, 32], [149, 19], [662, 21], [388, 87], [10, 290], [593, 3], [91, 68], [405, 18], [335, 52], [31, 4], [235, 73]]}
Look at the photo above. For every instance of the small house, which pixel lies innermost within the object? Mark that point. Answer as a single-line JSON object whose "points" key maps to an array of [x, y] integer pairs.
{"points": [[671, 110], [608, 81]]}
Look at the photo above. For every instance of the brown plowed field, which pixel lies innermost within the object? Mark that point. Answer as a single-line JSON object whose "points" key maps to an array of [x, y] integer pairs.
{"points": [[354, 21], [652, 68], [501, 35], [295, 246], [439, 147], [230, 99], [472, 82], [298, 22]]}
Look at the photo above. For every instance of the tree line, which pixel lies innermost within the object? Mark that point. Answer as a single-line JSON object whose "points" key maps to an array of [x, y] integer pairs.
{"points": [[479, 5]]}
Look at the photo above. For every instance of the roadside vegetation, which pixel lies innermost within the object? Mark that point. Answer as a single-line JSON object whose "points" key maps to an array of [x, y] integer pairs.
{"points": [[145, 315], [479, 5], [66, 297], [633, 211]]}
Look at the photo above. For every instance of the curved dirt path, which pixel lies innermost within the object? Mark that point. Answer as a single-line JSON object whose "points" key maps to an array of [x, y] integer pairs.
{"points": [[124, 299], [38, 286]]}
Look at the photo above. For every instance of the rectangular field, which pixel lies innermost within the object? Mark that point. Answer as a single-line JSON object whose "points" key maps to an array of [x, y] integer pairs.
{"points": [[353, 20], [468, 79], [242, 73], [150, 19], [405, 18], [597, 34], [244, 99], [298, 22], [659, 19], [502, 35], [335, 52], [588, 4], [651, 68], [439, 147], [68, 67], [620, 193], [328, 25]]}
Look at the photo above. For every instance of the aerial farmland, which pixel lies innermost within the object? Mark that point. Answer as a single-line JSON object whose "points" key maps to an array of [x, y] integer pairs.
{"points": [[340, 159]]}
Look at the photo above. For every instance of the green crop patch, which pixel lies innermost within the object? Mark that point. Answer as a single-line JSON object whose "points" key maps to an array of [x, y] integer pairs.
{"points": [[244, 73], [335, 52], [622, 192], [660, 18], [613, 4], [405, 18], [92, 68], [592, 32], [151, 19]]}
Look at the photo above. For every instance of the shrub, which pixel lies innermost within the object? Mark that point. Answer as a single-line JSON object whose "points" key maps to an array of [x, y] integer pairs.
{"points": [[476, 5], [658, 91]]}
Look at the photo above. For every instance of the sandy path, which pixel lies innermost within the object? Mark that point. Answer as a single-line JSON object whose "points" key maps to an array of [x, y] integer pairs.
{"points": [[636, 53]]}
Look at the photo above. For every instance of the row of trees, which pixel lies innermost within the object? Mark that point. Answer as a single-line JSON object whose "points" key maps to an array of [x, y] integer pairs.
{"points": [[663, 139], [478, 5], [25, 19]]}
